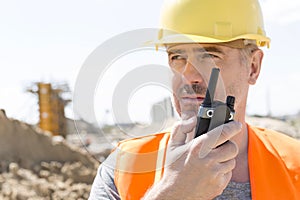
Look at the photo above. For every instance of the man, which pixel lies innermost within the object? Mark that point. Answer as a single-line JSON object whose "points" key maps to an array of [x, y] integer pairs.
{"points": [[232, 161]]}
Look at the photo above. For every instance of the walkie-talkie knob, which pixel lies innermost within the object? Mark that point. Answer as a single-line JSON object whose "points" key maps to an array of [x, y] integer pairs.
{"points": [[230, 102]]}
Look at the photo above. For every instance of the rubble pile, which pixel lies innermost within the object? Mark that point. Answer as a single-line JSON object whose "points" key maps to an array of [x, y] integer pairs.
{"points": [[52, 180], [35, 165]]}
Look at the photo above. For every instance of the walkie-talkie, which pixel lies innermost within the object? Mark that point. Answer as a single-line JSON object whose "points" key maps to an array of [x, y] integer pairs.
{"points": [[213, 113]]}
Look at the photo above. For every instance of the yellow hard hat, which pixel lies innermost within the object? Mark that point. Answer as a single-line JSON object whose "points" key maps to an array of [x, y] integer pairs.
{"points": [[211, 21]]}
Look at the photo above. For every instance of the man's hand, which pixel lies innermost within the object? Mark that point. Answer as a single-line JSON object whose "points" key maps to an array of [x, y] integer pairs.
{"points": [[197, 168]]}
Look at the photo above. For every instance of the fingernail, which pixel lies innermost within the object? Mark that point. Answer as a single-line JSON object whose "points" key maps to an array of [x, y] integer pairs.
{"points": [[239, 124], [236, 125]]}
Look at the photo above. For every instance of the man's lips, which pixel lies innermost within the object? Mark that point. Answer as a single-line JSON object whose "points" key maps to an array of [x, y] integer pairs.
{"points": [[191, 99]]}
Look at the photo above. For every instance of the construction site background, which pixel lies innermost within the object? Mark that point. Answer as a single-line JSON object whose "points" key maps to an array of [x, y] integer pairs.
{"points": [[42, 162]]}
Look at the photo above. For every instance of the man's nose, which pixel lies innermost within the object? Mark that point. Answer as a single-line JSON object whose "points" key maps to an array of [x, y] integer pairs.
{"points": [[192, 74]]}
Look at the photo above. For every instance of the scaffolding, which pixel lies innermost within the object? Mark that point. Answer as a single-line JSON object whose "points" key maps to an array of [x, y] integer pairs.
{"points": [[51, 107]]}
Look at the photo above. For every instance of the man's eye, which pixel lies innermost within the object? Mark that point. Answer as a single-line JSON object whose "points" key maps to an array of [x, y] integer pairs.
{"points": [[177, 62], [176, 57]]}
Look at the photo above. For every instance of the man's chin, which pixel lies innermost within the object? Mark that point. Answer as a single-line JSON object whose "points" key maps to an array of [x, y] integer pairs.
{"points": [[186, 114], [188, 110]]}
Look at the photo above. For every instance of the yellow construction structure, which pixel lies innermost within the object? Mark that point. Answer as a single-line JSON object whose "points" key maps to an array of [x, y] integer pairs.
{"points": [[51, 108]]}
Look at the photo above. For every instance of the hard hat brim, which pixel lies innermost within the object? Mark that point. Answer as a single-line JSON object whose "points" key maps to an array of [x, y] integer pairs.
{"points": [[189, 38]]}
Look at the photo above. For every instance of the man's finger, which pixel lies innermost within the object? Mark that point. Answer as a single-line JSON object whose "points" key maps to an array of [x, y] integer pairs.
{"points": [[225, 152], [180, 131], [218, 136], [226, 132]]}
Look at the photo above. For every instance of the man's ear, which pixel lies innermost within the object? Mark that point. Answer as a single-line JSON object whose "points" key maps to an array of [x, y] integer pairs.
{"points": [[256, 59]]}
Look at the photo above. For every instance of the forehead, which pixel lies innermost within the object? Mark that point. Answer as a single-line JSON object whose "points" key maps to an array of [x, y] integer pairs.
{"points": [[196, 48]]}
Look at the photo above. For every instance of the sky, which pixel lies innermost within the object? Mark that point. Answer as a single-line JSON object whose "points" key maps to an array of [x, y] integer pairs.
{"points": [[50, 41]]}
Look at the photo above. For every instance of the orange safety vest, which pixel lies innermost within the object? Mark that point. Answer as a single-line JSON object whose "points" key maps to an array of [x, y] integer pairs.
{"points": [[274, 164]]}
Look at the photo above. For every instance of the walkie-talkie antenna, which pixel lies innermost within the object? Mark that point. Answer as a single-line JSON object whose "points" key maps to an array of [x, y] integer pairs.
{"points": [[210, 92]]}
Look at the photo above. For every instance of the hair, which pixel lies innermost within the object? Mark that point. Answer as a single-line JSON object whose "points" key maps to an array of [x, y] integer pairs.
{"points": [[250, 47]]}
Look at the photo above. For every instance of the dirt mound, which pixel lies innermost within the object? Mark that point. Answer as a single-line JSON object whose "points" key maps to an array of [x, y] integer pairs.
{"points": [[35, 165]]}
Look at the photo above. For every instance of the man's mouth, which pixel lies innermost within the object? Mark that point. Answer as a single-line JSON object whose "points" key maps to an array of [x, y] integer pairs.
{"points": [[191, 95], [191, 100]]}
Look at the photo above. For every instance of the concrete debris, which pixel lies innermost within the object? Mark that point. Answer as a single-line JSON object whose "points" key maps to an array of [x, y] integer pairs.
{"points": [[56, 181], [35, 165]]}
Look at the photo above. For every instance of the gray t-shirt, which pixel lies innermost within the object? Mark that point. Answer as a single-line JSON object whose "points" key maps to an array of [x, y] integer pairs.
{"points": [[104, 187]]}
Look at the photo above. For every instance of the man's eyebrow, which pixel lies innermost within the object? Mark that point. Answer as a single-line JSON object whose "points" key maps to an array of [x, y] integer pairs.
{"points": [[209, 49], [198, 49], [175, 51]]}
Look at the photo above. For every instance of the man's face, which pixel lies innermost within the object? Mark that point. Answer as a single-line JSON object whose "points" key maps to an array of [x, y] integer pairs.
{"points": [[191, 65]]}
